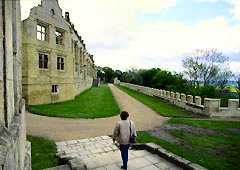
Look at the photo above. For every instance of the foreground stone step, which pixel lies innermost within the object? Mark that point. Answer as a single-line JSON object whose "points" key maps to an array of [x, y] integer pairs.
{"points": [[100, 153], [61, 167]]}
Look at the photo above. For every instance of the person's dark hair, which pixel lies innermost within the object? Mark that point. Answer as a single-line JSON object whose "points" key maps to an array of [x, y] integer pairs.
{"points": [[124, 115]]}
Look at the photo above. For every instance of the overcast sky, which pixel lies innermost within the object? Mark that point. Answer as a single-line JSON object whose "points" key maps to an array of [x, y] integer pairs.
{"points": [[127, 34]]}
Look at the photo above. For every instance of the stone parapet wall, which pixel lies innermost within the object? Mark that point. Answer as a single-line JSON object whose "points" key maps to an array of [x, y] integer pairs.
{"points": [[210, 107]]}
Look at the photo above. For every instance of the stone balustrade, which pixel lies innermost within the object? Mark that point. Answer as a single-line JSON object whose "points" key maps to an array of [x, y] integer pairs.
{"points": [[178, 96], [183, 97], [233, 104], [210, 107], [189, 99], [198, 100]]}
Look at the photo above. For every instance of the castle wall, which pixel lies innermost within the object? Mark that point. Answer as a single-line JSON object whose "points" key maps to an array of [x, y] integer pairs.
{"points": [[210, 107], [38, 82], [15, 151]]}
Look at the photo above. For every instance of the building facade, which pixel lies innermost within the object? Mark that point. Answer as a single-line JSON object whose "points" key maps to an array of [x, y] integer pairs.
{"points": [[15, 151], [56, 64]]}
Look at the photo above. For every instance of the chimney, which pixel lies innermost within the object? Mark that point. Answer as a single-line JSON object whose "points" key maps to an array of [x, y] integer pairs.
{"points": [[67, 17]]}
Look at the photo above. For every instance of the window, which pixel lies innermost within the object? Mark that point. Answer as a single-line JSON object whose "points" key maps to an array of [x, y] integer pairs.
{"points": [[55, 88], [43, 60], [59, 37], [52, 12], [41, 32], [60, 63]]}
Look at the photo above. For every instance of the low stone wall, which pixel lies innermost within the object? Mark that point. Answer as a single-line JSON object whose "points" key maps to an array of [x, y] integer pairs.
{"points": [[210, 107]]}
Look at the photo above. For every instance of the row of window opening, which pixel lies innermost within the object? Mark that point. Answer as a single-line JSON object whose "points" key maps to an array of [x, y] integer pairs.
{"points": [[42, 34], [43, 61]]}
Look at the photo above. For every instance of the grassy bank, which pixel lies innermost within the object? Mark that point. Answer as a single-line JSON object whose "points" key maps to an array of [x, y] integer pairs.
{"points": [[96, 102], [43, 153], [158, 105], [217, 151]]}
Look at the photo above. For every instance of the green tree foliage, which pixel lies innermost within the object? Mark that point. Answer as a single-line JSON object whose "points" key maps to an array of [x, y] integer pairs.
{"points": [[100, 73], [237, 79], [109, 74], [157, 78], [207, 67], [106, 74], [162, 79], [119, 74], [148, 76]]}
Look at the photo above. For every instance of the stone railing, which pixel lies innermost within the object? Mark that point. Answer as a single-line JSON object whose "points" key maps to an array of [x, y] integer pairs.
{"points": [[209, 107]]}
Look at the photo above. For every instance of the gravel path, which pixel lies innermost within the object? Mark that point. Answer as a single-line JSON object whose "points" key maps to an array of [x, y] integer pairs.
{"points": [[60, 129]]}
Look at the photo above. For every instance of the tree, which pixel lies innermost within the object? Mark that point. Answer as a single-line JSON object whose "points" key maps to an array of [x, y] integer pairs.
{"points": [[108, 74], [100, 73], [237, 79], [119, 74], [148, 76], [209, 67]]}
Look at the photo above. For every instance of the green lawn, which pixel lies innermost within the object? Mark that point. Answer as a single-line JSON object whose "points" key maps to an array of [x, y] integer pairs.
{"points": [[220, 151], [96, 102], [43, 153], [160, 106]]}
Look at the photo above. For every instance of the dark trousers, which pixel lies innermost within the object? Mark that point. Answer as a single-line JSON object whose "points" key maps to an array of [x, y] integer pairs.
{"points": [[124, 154]]}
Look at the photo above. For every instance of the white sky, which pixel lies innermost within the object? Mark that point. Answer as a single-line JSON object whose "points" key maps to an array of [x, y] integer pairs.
{"points": [[116, 36]]}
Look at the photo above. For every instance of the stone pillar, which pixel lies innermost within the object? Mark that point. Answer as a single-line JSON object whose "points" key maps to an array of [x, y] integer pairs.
{"points": [[183, 97], [164, 94], [172, 95], [198, 100], [211, 105], [190, 99], [155, 92], [168, 94], [177, 96], [158, 93], [233, 104], [161, 92]]}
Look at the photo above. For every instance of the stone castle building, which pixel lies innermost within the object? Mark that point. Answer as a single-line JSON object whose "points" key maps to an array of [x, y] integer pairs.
{"points": [[56, 64], [15, 151]]}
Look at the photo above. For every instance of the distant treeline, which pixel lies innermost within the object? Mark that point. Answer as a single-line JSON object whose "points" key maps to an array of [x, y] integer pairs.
{"points": [[206, 74], [162, 79]]}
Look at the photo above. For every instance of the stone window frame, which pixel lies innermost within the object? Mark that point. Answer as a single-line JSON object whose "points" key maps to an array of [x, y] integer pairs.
{"points": [[59, 36], [76, 67], [43, 63], [41, 32], [55, 89], [52, 12], [60, 63]]}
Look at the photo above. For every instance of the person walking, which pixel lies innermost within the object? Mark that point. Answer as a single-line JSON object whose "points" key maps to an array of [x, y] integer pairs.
{"points": [[124, 133]]}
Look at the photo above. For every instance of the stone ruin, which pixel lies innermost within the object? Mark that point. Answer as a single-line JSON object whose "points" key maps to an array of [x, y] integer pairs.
{"points": [[210, 107], [15, 151]]}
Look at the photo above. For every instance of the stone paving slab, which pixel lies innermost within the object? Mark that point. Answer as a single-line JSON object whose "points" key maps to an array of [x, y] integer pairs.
{"points": [[100, 153]]}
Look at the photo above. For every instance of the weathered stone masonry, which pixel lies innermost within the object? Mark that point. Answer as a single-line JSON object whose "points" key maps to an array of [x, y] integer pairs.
{"points": [[15, 151], [210, 107], [56, 64]]}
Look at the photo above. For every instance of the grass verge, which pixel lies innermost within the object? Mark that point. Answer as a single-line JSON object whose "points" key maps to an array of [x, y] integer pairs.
{"points": [[217, 151], [158, 105], [43, 153], [96, 102]]}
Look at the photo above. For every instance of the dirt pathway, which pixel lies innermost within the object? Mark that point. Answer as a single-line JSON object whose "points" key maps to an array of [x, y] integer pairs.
{"points": [[60, 129]]}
